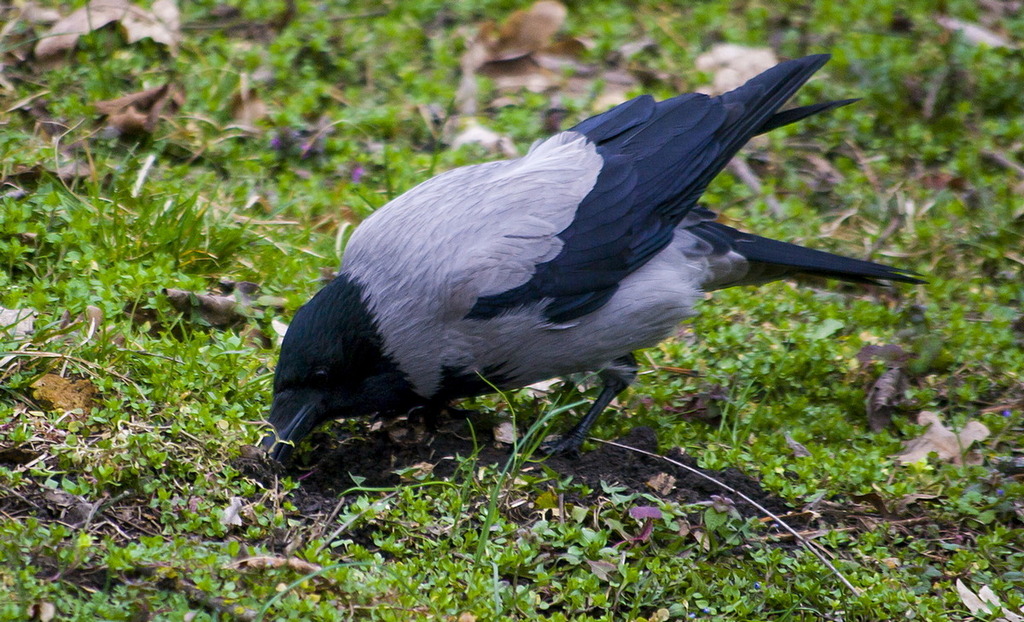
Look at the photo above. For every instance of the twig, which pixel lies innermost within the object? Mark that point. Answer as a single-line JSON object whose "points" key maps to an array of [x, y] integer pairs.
{"points": [[195, 595], [1004, 160], [209, 601], [865, 167], [153, 354], [741, 169], [342, 527], [757, 505], [242, 22], [73, 359], [100, 506], [143, 173], [787, 536]]}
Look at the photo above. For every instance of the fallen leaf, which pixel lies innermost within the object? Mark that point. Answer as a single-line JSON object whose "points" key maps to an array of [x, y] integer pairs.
{"points": [[948, 445], [662, 483], [93, 316], [43, 611], [525, 32], [231, 515], [542, 388], [266, 561], [466, 616], [246, 106], [972, 33], [889, 353], [417, 471], [59, 394], [876, 501], [67, 170], [15, 325], [162, 24], [519, 74], [884, 396], [32, 13], [71, 509], [799, 451], [505, 433], [475, 134], [985, 603], [140, 112], [511, 55], [733, 65], [602, 570], [630, 49], [215, 309], [906, 501], [280, 328]]}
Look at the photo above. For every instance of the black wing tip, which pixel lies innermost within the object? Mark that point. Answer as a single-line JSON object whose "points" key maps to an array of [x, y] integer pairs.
{"points": [[812, 62], [901, 275], [859, 271]]}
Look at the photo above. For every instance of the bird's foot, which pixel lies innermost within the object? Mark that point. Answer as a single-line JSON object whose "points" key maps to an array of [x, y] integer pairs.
{"points": [[567, 446]]}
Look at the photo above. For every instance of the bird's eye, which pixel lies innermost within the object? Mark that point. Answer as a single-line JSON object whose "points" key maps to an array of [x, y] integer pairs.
{"points": [[320, 376]]}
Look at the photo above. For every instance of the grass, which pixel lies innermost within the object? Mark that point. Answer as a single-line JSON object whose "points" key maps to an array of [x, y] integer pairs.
{"points": [[122, 512]]}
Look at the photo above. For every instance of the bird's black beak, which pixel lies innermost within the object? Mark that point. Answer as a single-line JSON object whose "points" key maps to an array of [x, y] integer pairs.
{"points": [[293, 414]]}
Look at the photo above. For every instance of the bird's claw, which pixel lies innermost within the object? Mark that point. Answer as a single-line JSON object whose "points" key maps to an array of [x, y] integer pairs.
{"points": [[566, 446]]}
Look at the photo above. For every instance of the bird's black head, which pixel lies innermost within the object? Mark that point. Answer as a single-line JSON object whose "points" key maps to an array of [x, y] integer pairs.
{"points": [[332, 365]]}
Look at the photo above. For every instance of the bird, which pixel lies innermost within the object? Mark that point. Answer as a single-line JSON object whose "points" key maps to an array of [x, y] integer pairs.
{"points": [[568, 259]]}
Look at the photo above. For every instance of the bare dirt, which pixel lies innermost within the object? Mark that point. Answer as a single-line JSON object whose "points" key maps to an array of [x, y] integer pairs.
{"points": [[374, 459]]}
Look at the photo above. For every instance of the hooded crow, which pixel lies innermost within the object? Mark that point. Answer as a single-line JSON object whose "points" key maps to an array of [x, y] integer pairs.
{"points": [[568, 259]]}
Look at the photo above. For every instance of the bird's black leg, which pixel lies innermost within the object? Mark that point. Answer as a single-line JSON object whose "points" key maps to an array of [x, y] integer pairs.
{"points": [[617, 377], [461, 413]]}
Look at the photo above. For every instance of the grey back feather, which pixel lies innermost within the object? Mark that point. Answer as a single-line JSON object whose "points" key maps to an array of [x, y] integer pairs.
{"points": [[470, 232]]}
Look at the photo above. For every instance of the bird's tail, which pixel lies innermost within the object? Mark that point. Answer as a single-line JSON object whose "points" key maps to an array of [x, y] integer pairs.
{"points": [[770, 259]]}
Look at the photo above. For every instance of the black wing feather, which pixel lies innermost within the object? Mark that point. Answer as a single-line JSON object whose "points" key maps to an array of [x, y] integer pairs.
{"points": [[786, 258], [658, 158]]}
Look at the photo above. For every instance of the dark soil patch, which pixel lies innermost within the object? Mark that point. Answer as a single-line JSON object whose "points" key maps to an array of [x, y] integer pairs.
{"points": [[375, 458]]}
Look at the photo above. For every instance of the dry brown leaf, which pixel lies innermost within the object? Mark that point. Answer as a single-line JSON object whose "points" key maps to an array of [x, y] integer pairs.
{"points": [[505, 433], [59, 394], [732, 65], [662, 483], [139, 113], [215, 309], [508, 54], [884, 396], [264, 561], [519, 73], [904, 502], [799, 451], [43, 611], [948, 445], [525, 32], [246, 106], [66, 169], [475, 134], [418, 471], [162, 25], [64, 34]]}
